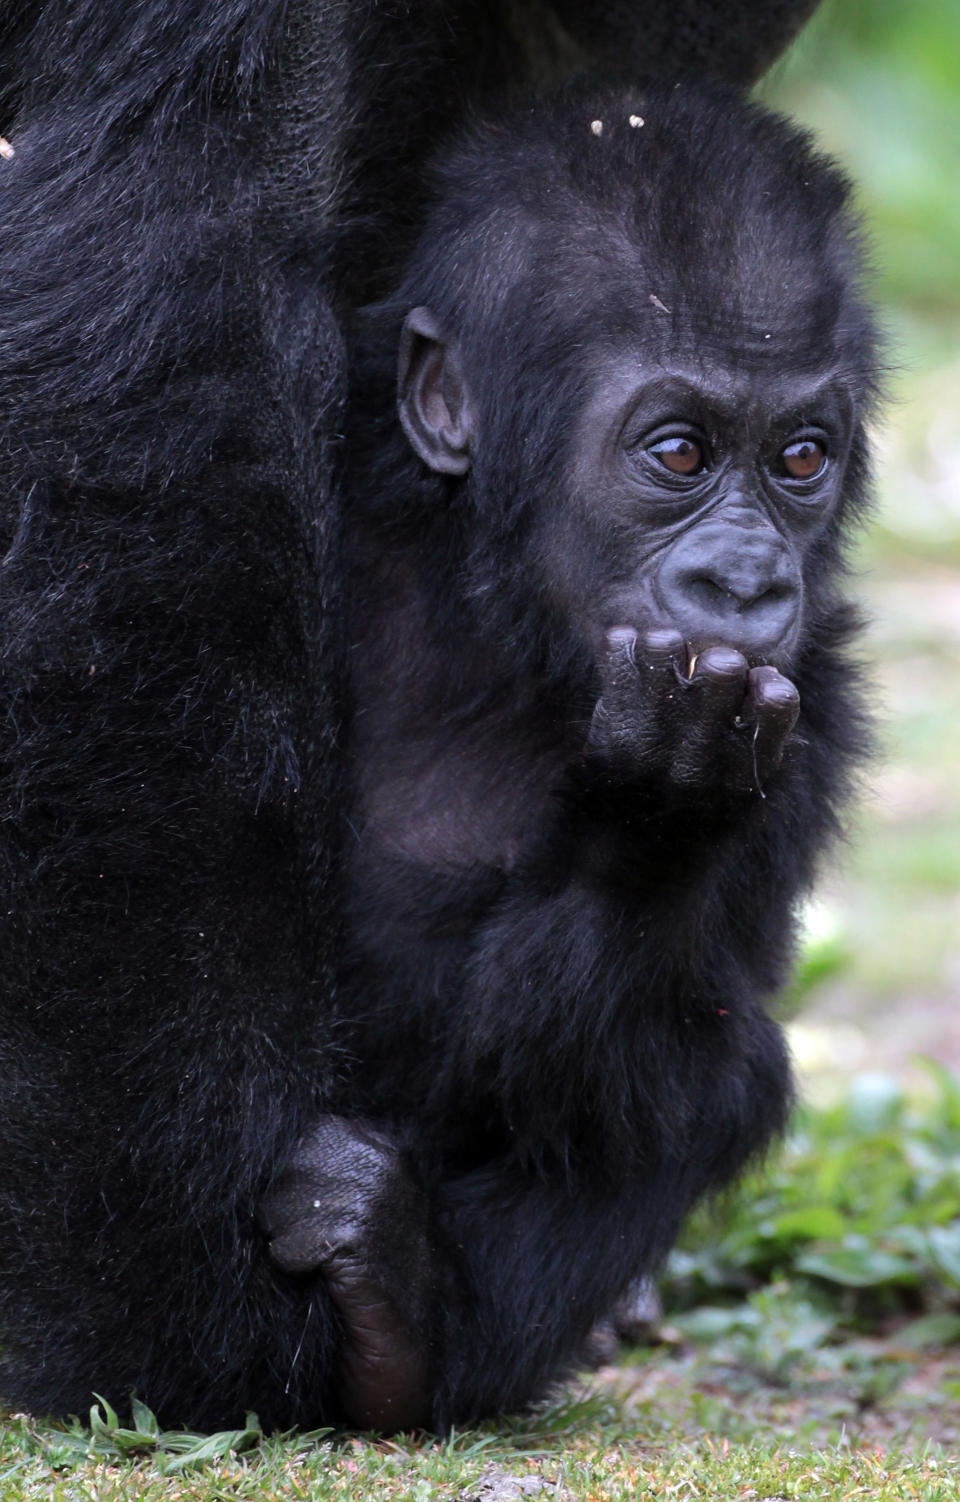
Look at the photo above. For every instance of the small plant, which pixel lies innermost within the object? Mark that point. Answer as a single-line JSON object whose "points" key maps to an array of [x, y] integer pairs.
{"points": [[170, 1450], [859, 1216]]}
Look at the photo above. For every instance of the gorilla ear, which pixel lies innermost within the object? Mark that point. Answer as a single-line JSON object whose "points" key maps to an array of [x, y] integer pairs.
{"points": [[432, 398]]}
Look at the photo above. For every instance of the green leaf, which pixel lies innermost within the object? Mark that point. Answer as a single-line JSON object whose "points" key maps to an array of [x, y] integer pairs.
{"points": [[813, 1223], [710, 1322], [188, 1450], [144, 1421], [944, 1244], [106, 1423], [948, 1089], [858, 1267], [932, 1330]]}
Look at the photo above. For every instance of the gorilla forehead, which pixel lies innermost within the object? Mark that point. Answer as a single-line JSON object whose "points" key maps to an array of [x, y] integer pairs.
{"points": [[713, 224], [740, 308]]}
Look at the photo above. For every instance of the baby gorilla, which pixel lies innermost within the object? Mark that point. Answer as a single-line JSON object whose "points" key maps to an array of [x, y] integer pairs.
{"points": [[602, 725]]}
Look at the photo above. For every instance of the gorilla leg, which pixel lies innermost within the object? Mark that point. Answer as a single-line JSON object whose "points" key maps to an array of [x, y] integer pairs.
{"points": [[346, 1209]]}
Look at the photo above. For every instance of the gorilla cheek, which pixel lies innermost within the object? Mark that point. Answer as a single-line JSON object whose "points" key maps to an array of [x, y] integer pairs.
{"points": [[739, 586]]}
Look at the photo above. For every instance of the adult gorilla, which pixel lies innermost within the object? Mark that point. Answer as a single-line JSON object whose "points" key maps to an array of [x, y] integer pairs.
{"points": [[197, 192]]}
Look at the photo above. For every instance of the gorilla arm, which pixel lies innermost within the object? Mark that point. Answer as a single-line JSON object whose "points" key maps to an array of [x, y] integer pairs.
{"points": [[467, 1288], [632, 1068]]}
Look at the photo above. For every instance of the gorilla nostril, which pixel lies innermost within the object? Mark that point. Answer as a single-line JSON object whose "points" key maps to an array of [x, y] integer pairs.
{"points": [[725, 596], [774, 594], [711, 594], [737, 588]]}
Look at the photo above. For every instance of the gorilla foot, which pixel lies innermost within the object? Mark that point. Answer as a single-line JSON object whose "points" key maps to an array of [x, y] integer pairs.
{"points": [[344, 1208]]}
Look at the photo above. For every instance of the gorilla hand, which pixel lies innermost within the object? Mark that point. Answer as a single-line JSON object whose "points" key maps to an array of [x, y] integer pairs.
{"points": [[343, 1206], [715, 725]]}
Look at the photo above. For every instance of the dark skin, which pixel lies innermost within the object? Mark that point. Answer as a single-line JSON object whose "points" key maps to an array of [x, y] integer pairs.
{"points": [[695, 494], [715, 495], [343, 1195]]}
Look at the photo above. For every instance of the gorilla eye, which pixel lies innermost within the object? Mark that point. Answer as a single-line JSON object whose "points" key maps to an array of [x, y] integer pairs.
{"points": [[681, 455], [803, 460]]}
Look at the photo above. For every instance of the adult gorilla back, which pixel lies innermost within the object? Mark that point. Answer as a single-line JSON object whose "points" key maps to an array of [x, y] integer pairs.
{"points": [[172, 277]]}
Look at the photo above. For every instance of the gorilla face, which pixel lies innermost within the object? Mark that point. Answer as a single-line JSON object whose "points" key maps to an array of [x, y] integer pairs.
{"points": [[695, 492], [675, 537]]}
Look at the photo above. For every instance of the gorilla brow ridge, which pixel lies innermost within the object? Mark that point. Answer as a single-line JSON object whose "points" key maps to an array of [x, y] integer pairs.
{"points": [[741, 198]]}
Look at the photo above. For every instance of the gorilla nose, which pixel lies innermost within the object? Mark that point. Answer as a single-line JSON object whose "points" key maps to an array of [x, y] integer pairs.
{"points": [[731, 584]]}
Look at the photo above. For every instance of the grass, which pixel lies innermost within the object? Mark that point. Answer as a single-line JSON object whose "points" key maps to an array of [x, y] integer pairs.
{"points": [[806, 1351], [589, 1448]]}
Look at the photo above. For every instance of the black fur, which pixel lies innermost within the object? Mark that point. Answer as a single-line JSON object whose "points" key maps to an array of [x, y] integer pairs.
{"points": [[561, 963], [199, 193]]}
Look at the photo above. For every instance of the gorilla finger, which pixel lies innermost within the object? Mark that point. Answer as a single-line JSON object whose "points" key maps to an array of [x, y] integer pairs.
{"points": [[662, 648], [384, 1373], [720, 676], [662, 663], [720, 665], [637, 674], [618, 670], [772, 698], [617, 701], [773, 704], [623, 640], [659, 648], [708, 706]]}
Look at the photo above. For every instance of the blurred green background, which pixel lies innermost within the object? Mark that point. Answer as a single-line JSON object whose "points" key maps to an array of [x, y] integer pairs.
{"points": [[878, 81]]}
